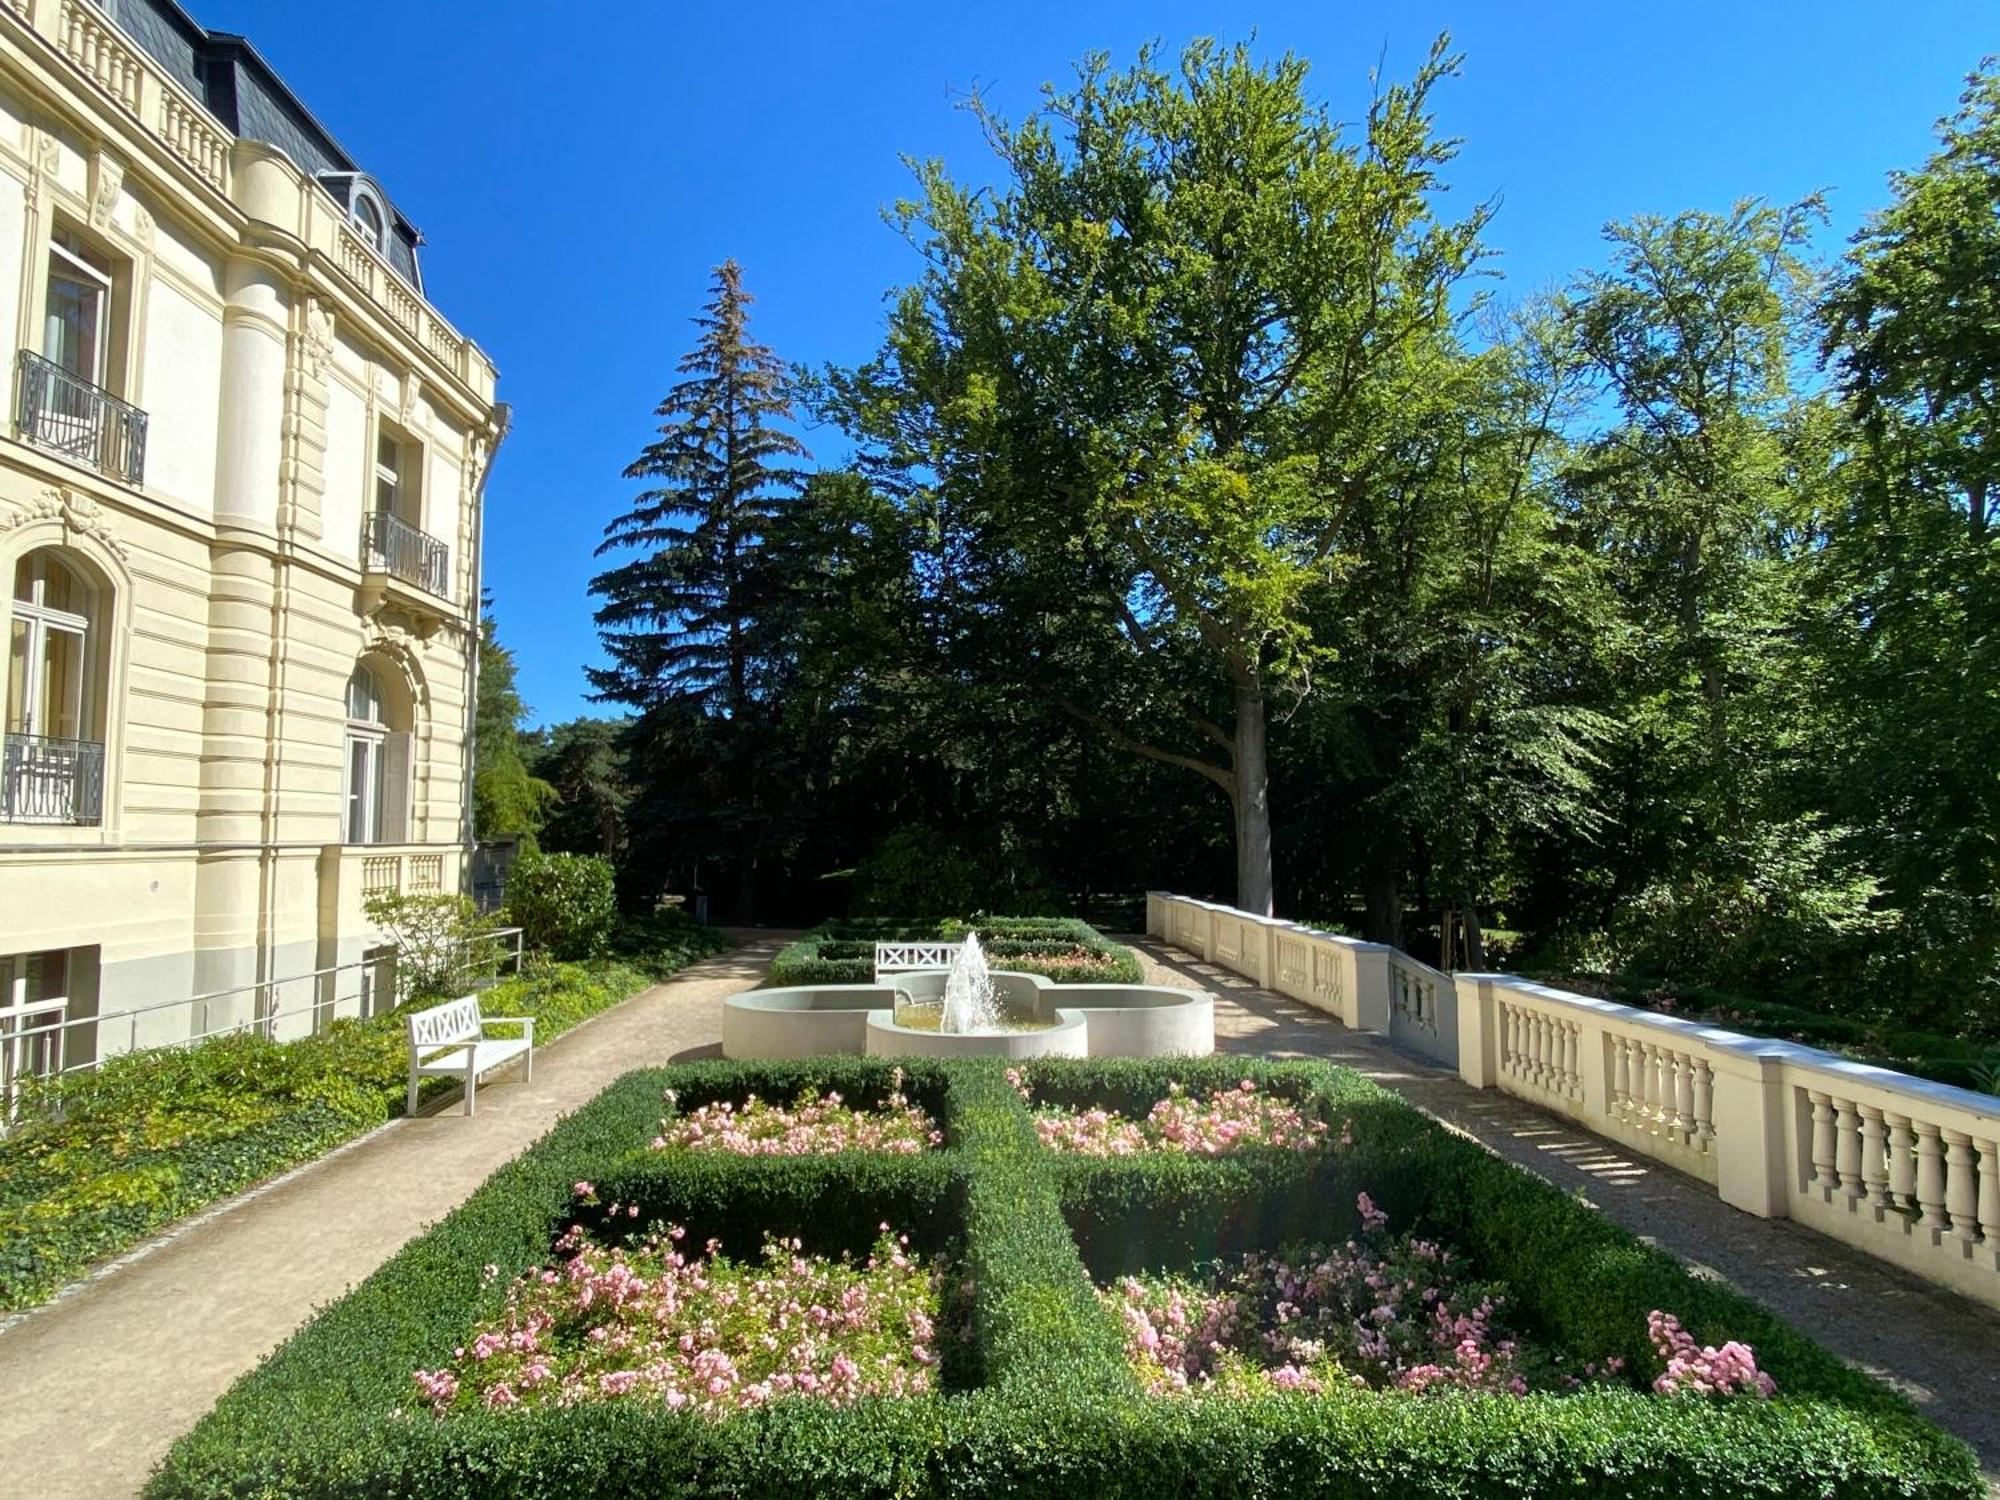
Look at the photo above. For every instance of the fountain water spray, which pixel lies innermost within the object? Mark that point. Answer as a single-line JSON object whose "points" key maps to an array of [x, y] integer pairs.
{"points": [[970, 1004]]}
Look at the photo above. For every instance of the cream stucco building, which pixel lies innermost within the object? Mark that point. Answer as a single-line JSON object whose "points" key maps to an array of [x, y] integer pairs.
{"points": [[240, 483]]}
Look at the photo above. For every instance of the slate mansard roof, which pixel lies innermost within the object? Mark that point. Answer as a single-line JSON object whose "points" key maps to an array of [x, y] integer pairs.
{"points": [[246, 94]]}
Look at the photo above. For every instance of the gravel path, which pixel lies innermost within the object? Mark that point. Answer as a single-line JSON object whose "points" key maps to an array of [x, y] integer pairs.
{"points": [[98, 1384], [1939, 1349]]}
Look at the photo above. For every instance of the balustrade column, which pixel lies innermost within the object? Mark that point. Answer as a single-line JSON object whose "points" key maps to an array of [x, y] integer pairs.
{"points": [[1704, 1103], [1572, 1080], [1621, 1076], [1989, 1193], [1822, 1142], [1961, 1186], [1663, 1087], [1902, 1162], [1848, 1148], [1930, 1176], [1683, 1094], [1874, 1159]]}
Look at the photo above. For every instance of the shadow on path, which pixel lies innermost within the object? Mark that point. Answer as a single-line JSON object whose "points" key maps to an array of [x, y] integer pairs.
{"points": [[1936, 1347]]}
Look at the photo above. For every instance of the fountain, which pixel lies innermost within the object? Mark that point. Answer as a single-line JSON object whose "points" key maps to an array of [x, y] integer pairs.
{"points": [[970, 1003], [969, 1010]]}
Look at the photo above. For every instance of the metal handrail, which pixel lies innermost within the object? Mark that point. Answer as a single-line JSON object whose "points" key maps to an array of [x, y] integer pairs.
{"points": [[401, 550], [267, 1010], [45, 780], [62, 411]]}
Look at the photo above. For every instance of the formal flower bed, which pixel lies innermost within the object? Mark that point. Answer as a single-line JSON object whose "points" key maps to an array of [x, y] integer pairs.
{"points": [[650, 1322], [1290, 1333], [813, 1124], [1226, 1120]]}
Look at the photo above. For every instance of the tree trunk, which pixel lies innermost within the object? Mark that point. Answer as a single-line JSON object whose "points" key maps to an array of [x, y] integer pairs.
{"points": [[1253, 804], [1384, 886]]}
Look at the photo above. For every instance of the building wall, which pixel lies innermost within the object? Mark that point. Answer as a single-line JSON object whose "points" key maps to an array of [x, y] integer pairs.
{"points": [[265, 345]]}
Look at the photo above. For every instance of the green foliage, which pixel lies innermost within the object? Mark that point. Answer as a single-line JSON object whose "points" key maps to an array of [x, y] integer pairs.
{"points": [[438, 939], [1044, 1403], [564, 904], [507, 798], [1061, 948], [103, 1159]]}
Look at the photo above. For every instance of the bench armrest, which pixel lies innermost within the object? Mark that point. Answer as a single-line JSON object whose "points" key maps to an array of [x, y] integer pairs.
{"points": [[526, 1023]]}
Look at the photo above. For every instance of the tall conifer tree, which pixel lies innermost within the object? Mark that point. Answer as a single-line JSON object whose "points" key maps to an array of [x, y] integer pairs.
{"points": [[676, 618]]}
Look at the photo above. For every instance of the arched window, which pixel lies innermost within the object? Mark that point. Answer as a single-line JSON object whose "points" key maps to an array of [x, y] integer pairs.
{"points": [[368, 220], [377, 808], [54, 764]]}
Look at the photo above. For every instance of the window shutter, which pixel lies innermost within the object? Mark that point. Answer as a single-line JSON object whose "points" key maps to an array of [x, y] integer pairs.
{"points": [[396, 789]]}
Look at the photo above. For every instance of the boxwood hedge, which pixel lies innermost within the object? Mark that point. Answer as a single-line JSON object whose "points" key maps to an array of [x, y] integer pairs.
{"points": [[1046, 1405], [1062, 948]]}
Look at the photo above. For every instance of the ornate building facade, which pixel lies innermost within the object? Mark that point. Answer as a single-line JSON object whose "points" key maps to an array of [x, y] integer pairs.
{"points": [[240, 490]]}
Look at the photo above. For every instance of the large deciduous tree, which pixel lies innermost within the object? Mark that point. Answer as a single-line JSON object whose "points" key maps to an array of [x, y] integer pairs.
{"points": [[1154, 371], [678, 619]]}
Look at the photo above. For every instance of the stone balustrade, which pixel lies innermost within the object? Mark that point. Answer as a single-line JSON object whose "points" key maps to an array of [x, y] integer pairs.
{"points": [[1900, 1167], [82, 33]]}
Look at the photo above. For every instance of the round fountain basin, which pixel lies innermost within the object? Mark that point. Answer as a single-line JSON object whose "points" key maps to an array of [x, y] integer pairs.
{"points": [[1070, 1020], [1067, 1035]]}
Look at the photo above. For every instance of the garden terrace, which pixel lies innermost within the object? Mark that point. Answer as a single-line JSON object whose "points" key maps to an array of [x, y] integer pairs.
{"points": [[1062, 949], [1043, 1398]]}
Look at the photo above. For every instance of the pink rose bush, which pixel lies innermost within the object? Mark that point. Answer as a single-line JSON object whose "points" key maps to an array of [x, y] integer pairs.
{"points": [[1227, 1120], [1384, 1312], [1704, 1370], [698, 1332], [1388, 1312], [810, 1126]]}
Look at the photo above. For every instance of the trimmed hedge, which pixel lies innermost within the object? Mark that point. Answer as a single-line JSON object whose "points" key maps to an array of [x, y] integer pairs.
{"points": [[107, 1158], [1045, 1405], [1060, 948]]}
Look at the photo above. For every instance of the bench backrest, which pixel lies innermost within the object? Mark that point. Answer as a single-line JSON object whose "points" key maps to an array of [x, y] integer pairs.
{"points": [[902, 958], [445, 1025]]}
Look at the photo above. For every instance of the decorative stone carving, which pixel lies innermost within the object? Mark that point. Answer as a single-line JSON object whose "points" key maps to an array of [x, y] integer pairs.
{"points": [[317, 345], [107, 180], [413, 388], [142, 225], [48, 152], [78, 514]]}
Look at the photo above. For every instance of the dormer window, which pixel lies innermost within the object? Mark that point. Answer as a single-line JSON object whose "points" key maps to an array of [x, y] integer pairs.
{"points": [[368, 218]]}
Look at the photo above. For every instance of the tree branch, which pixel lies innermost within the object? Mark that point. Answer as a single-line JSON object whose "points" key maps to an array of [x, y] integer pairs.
{"points": [[1224, 778]]}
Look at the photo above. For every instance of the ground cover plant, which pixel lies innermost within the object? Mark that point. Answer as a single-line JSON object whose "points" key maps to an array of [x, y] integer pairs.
{"points": [[103, 1159], [1063, 949], [812, 1124], [1238, 1118], [1036, 1390]]}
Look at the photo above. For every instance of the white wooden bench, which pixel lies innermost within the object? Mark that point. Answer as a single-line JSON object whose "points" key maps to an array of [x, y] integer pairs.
{"points": [[450, 1040], [904, 958]]}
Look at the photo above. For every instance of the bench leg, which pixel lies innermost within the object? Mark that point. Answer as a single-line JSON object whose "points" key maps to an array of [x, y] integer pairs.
{"points": [[529, 1076], [471, 1086], [410, 1108]]}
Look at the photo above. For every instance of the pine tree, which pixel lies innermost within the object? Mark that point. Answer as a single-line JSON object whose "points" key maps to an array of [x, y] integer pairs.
{"points": [[677, 619]]}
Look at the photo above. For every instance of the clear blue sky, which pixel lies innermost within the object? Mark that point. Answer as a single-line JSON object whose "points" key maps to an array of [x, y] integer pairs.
{"points": [[578, 169]]}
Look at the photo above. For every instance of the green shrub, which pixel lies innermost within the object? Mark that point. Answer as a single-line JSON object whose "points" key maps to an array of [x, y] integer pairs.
{"points": [[103, 1159], [437, 936], [565, 904], [1047, 1404], [1059, 948]]}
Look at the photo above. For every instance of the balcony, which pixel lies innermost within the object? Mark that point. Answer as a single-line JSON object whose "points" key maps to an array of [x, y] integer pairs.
{"points": [[51, 781], [403, 567], [70, 416]]}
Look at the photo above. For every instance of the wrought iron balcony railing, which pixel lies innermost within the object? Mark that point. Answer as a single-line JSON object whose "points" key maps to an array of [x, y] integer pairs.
{"points": [[79, 420], [51, 781], [397, 548]]}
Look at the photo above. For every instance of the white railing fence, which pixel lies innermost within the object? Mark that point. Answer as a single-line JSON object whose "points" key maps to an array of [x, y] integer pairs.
{"points": [[41, 1040], [1900, 1167]]}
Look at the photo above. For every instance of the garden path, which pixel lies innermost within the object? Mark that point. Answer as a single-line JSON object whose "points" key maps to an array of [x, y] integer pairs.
{"points": [[98, 1384], [1939, 1349]]}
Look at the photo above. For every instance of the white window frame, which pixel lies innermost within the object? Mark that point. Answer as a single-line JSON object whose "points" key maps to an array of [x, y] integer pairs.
{"points": [[375, 234], [101, 337], [379, 804], [41, 620], [39, 1055]]}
